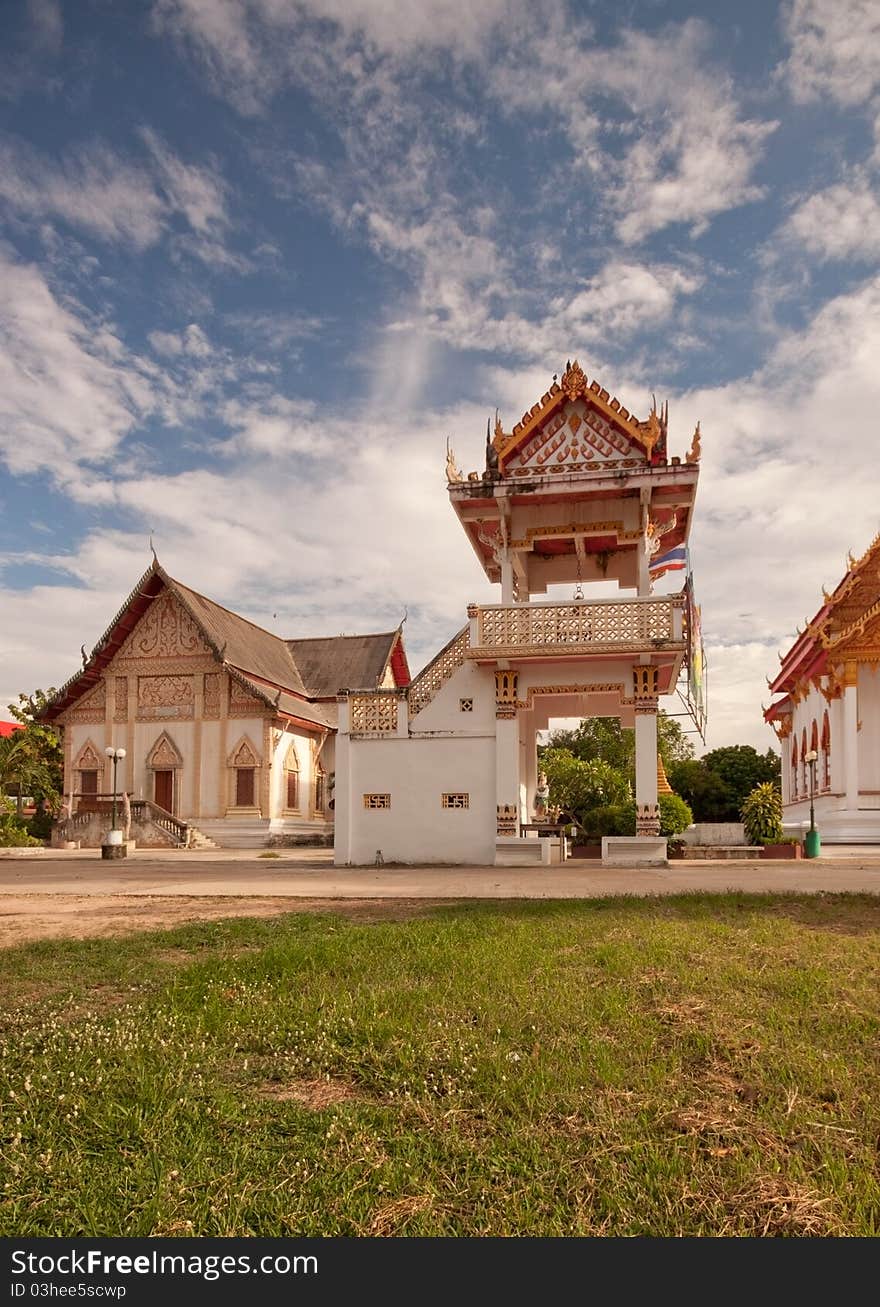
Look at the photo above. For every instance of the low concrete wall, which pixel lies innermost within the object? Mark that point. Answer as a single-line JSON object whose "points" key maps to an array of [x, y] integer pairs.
{"points": [[715, 832]]}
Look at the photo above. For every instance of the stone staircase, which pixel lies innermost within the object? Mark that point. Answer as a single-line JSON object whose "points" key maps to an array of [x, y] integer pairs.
{"points": [[198, 839], [230, 833]]}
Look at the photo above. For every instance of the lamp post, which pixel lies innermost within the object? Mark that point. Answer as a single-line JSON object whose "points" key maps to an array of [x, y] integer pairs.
{"points": [[812, 842], [117, 755]]}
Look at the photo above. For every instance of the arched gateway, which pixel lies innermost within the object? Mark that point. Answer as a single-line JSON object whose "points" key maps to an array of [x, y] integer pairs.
{"points": [[578, 493]]}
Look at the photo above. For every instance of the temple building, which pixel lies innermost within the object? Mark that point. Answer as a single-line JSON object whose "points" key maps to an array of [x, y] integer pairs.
{"points": [[578, 493], [228, 730], [830, 707]]}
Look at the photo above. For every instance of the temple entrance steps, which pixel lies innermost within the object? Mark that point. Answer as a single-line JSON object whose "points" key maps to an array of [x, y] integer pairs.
{"points": [[236, 833], [198, 840]]}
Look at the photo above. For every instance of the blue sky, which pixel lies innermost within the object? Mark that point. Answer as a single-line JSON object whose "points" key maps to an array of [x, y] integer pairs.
{"points": [[261, 258]]}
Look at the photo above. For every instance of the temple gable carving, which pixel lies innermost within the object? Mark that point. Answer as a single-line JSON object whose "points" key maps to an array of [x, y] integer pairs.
{"points": [[166, 630], [166, 696]]}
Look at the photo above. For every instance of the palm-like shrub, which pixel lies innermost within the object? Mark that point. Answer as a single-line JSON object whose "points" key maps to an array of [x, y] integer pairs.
{"points": [[762, 814]]}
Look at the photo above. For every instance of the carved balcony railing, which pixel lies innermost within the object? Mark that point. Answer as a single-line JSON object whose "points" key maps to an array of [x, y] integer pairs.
{"points": [[437, 672], [373, 712], [582, 626]]}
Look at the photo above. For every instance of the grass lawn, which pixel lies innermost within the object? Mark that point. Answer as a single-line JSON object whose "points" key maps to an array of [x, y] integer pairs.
{"points": [[701, 1065]]}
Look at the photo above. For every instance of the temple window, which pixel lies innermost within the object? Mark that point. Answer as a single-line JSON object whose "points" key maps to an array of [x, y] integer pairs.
{"points": [[319, 788], [794, 771], [88, 782], [826, 753], [291, 780]]}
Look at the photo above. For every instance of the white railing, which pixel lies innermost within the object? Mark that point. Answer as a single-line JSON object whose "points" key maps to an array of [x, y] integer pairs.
{"points": [[437, 672], [582, 624]]}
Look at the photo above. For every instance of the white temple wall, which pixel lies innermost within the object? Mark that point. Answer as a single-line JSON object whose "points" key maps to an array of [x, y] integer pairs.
{"points": [[444, 712], [869, 735], [417, 828]]}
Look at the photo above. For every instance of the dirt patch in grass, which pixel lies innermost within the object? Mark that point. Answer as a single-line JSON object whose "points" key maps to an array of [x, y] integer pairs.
{"points": [[316, 1095], [771, 1206], [31, 917], [391, 1218], [842, 914]]}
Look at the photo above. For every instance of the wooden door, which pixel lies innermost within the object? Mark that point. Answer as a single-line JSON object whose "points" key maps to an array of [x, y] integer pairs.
{"points": [[244, 787], [163, 793]]}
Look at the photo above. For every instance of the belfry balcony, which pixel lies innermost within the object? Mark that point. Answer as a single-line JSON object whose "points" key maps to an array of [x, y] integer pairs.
{"points": [[577, 629]]}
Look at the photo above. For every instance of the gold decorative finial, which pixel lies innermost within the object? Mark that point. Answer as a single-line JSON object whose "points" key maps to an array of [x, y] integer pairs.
{"points": [[499, 436], [826, 596], [574, 380], [850, 561], [693, 454], [452, 472]]}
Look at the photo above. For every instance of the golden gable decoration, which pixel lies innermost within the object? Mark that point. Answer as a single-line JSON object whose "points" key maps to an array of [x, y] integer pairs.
{"points": [[244, 754], [89, 758], [93, 706], [164, 754], [166, 696], [165, 631], [609, 429]]}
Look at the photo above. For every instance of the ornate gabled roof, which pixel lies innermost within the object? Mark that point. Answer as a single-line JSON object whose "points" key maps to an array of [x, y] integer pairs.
{"points": [[849, 616], [264, 664], [647, 437]]}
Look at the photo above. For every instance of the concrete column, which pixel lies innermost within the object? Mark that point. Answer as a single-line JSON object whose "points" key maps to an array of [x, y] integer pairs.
{"points": [[643, 582], [851, 737], [402, 715], [647, 812], [343, 817], [643, 578], [529, 772], [507, 774], [786, 770], [199, 714], [473, 613], [507, 579]]}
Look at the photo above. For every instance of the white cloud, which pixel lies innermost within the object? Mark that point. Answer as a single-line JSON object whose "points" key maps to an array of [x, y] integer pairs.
{"points": [[66, 395], [97, 190], [691, 155], [840, 222], [91, 188], [835, 50], [623, 297], [198, 192]]}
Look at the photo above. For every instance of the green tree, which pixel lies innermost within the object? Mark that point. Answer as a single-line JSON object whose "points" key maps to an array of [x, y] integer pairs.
{"points": [[577, 787], [741, 768], [31, 759], [603, 739], [703, 790]]}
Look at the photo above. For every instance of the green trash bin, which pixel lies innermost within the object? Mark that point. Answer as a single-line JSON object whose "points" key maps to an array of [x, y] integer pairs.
{"points": [[812, 844]]}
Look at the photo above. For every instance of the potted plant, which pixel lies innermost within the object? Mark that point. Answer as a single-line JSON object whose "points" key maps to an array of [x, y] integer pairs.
{"points": [[762, 818]]}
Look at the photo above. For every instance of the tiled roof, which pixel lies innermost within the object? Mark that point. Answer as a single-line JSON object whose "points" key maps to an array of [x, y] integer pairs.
{"points": [[287, 674]]}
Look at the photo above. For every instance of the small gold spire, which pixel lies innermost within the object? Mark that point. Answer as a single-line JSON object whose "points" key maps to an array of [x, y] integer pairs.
{"points": [[663, 786], [693, 454]]}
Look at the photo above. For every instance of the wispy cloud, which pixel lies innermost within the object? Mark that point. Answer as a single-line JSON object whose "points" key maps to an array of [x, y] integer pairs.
{"points": [[123, 200], [839, 222], [91, 188], [835, 50], [680, 150]]}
